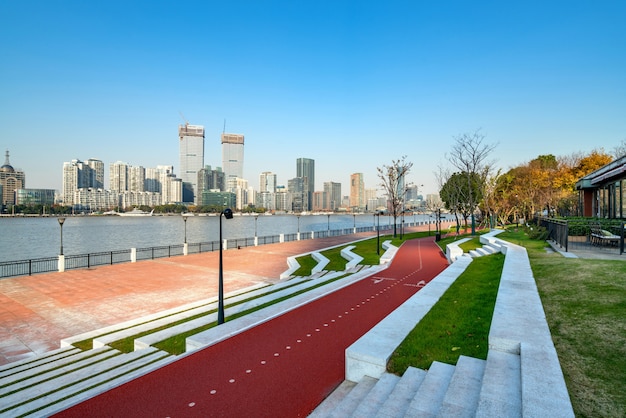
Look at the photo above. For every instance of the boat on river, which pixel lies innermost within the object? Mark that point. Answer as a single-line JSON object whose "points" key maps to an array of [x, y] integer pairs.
{"points": [[137, 212]]}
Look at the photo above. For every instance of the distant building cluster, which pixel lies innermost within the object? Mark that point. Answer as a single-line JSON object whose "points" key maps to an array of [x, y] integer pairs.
{"points": [[196, 184]]}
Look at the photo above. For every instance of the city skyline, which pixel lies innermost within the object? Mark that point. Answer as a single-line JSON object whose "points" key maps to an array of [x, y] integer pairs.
{"points": [[352, 85]]}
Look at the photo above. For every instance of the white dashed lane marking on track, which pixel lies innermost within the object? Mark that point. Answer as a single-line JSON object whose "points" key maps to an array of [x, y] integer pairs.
{"points": [[391, 282]]}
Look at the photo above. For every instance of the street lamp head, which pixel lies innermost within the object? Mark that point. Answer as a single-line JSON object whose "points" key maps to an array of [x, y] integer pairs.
{"points": [[61, 220], [228, 213]]}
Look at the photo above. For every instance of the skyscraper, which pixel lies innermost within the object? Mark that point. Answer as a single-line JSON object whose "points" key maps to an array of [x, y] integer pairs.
{"points": [[11, 180], [357, 192], [191, 138], [305, 168], [332, 195], [79, 175], [232, 156], [118, 176]]}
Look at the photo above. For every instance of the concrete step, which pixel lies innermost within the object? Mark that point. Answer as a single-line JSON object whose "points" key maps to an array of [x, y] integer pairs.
{"points": [[461, 399], [377, 396], [81, 384], [351, 401], [36, 361], [324, 409], [165, 320], [501, 392], [403, 393], [33, 385], [429, 397], [45, 371]]}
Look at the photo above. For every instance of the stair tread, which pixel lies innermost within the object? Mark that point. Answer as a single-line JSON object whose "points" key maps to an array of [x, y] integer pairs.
{"points": [[461, 398], [500, 393], [431, 392], [377, 396], [354, 397], [399, 400]]}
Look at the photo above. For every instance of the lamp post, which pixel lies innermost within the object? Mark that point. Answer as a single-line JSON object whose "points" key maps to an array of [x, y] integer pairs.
{"points": [[185, 220], [298, 216], [61, 221], [256, 217], [228, 214], [328, 224], [378, 233]]}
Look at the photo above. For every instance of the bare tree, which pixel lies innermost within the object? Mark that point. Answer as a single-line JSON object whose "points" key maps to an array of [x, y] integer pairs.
{"points": [[393, 182], [468, 155], [620, 150]]}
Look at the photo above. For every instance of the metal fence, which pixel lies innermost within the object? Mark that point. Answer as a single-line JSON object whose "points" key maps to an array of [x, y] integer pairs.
{"points": [[576, 234], [50, 264]]}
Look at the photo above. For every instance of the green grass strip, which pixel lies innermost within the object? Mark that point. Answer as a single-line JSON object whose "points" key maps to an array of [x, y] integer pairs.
{"points": [[458, 324], [177, 345], [127, 345], [585, 305]]}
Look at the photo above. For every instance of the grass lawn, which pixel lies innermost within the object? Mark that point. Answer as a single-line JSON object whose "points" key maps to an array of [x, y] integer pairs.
{"points": [[458, 324], [585, 305]]}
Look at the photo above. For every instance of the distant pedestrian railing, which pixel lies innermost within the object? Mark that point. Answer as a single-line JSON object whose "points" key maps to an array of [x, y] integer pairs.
{"points": [[68, 262], [557, 230]]}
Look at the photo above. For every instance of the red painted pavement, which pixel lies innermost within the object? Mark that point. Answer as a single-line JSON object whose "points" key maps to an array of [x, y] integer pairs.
{"points": [[283, 368]]}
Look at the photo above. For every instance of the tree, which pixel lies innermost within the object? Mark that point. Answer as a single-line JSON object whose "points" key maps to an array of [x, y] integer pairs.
{"points": [[393, 181], [620, 150], [455, 194], [468, 155]]}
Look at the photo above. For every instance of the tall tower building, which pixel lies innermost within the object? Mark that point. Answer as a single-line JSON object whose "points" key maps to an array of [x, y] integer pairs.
{"points": [[267, 182], [357, 192], [97, 173], [191, 146], [118, 176], [232, 156], [136, 179], [10, 181], [305, 168], [76, 175], [332, 195]]}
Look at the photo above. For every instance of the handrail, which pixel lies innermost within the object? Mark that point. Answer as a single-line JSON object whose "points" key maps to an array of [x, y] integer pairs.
{"points": [[76, 261]]}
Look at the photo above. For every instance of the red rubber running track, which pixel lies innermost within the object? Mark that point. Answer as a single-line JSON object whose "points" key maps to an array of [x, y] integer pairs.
{"points": [[282, 368]]}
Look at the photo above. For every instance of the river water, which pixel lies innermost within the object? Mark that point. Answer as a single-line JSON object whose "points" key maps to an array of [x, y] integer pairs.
{"points": [[23, 238]]}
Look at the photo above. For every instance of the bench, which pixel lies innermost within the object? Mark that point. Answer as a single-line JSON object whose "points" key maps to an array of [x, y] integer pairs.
{"points": [[599, 236]]}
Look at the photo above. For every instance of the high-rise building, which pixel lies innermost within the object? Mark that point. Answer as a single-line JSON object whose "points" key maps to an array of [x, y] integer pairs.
{"points": [[267, 190], [136, 179], [79, 175], [209, 179], [332, 195], [305, 168], [357, 192], [299, 198], [267, 182], [97, 173], [118, 176], [11, 180], [191, 147], [232, 156]]}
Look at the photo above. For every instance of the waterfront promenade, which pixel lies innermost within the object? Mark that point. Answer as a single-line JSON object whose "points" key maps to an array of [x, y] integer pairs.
{"points": [[36, 312]]}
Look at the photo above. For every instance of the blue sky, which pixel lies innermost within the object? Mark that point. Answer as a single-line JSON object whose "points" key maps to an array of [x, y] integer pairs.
{"points": [[351, 84]]}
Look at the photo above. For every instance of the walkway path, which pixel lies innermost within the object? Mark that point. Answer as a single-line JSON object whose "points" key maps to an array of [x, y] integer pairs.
{"points": [[36, 312], [284, 367]]}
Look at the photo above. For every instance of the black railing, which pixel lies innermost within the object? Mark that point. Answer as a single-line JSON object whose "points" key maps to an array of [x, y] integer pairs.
{"points": [[28, 267], [50, 264], [557, 230]]}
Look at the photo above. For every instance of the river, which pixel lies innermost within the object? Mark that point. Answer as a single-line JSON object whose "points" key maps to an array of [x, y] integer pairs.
{"points": [[23, 238]]}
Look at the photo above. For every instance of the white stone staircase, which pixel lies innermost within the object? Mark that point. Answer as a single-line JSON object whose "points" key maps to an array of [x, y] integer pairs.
{"points": [[521, 376], [472, 388]]}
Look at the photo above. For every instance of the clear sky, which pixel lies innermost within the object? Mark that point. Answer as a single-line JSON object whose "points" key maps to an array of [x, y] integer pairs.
{"points": [[351, 84]]}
